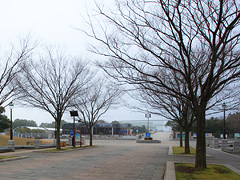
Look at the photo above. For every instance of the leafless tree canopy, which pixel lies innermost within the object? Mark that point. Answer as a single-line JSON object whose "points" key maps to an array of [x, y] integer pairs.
{"points": [[9, 68], [52, 83], [198, 40], [196, 43], [96, 101]]}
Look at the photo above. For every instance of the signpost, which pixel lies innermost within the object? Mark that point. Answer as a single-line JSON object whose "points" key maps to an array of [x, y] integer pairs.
{"points": [[148, 135], [74, 114], [71, 133]]}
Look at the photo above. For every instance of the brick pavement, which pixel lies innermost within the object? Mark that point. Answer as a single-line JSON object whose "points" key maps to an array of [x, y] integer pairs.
{"points": [[114, 160], [121, 159]]}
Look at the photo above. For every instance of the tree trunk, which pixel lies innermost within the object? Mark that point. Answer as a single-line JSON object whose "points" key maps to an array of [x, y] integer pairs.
{"points": [[200, 161], [181, 143], [58, 134], [90, 136], [186, 141]]}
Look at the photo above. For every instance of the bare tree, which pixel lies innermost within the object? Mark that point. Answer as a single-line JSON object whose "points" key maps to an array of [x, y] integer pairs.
{"points": [[10, 63], [52, 83], [198, 40], [95, 102], [163, 103]]}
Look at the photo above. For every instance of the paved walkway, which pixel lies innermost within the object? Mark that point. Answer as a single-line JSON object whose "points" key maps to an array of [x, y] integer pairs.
{"points": [[121, 159], [214, 156], [111, 160]]}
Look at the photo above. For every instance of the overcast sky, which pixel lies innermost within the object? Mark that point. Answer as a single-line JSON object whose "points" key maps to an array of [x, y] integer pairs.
{"points": [[52, 22]]}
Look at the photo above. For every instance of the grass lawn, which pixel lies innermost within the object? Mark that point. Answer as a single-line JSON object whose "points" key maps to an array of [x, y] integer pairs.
{"points": [[189, 172], [20, 141], [7, 157], [181, 150]]}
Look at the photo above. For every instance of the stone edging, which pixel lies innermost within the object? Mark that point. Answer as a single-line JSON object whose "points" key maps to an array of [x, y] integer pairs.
{"points": [[12, 159], [76, 149], [171, 175], [170, 169], [170, 151], [148, 141]]}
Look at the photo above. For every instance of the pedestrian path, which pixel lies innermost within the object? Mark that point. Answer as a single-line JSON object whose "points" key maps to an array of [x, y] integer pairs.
{"points": [[113, 160], [125, 160]]}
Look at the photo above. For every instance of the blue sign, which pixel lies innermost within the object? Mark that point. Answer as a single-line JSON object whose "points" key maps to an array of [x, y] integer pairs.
{"points": [[236, 135], [71, 133], [148, 135], [137, 130], [183, 136]]}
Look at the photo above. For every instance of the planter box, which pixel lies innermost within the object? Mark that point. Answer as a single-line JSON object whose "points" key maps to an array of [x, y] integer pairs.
{"points": [[62, 144]]}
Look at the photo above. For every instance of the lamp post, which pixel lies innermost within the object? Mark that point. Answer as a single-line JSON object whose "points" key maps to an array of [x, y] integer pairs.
{"points": [[11, 105], [73, 114], [224, 127]]}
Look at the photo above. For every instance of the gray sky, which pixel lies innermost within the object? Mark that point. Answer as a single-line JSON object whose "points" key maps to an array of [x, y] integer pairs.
{"points": [[52, 22]]}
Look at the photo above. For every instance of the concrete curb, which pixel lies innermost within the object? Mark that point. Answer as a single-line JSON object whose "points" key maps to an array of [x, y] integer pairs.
{"points": [[148, 141], [13, 159], [171, 175], [170, 151], [170, 171], [170, 168], [232, 168], [76, 149]]}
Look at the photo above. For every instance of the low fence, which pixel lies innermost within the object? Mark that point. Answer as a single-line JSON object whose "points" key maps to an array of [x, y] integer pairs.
{"points": [[32, 135], [226, 145], [114, 137]]}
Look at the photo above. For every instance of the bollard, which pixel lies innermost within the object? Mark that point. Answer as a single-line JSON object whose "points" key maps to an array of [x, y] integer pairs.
{"points": [[11, 145], [36, 143]]}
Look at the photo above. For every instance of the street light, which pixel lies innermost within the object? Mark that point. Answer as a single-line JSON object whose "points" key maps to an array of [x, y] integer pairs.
{"points": [[11, 105], [224, 129], [74, 114]]}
